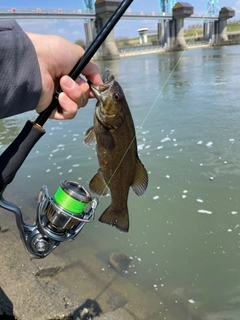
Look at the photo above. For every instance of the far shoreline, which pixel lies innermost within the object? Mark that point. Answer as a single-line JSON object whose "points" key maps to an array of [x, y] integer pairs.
{"points": [[135, 51], [140, 50], [132, 51]]}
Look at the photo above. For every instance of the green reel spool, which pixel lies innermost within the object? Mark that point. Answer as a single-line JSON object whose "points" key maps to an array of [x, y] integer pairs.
{"points": [[72, 197]]}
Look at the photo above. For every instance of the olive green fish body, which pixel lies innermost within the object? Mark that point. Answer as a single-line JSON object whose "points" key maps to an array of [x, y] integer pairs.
{"points": [[119, 164]]}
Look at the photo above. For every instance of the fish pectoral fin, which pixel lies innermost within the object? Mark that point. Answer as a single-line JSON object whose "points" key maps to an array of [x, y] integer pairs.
{"points": [[98, 184], [116, 217], [90, 137], [140, 181]]}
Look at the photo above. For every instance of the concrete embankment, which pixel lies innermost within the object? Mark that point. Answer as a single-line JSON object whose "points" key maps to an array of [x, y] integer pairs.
{"points": [[66, 286], [41, 289], [139, 50]]}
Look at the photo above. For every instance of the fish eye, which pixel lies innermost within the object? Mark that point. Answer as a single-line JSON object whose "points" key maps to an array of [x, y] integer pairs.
{"points": [[117, 97]]}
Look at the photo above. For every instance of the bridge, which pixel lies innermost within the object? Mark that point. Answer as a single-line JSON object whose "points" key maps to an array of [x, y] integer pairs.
{"points": [[170, 24], [58, 13]]}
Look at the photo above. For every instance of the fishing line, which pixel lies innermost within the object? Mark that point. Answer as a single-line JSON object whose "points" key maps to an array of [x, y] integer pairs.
{"points": [[224, 157], [158, 95], [144, 120], [168, 78]]}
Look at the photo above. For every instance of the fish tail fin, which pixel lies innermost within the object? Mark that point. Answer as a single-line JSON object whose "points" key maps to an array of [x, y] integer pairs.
{"points": [[116, 218]]}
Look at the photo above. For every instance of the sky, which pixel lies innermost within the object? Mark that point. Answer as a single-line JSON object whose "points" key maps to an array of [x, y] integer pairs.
{"points": [[74, 29]]}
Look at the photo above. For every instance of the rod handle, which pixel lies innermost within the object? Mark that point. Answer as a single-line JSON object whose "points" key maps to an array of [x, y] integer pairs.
{"points": [[13, 157]]}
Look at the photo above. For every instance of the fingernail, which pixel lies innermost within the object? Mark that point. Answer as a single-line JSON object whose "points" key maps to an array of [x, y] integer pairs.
{"points": [[68, 82]]}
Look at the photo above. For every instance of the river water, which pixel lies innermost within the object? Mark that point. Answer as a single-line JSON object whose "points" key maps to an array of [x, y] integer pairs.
{"points": [[185, 230]]}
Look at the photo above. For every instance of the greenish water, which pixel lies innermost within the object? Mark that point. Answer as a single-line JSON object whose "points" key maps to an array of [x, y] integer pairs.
{"points": [[184, 232]]}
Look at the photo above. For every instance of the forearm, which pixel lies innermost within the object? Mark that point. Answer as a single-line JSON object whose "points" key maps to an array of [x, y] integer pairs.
{"points": [[20, 77]]}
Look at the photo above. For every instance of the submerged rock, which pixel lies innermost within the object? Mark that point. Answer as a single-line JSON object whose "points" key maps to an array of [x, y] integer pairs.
{"points": [[119, 261], [4, 229], [48, 272]]}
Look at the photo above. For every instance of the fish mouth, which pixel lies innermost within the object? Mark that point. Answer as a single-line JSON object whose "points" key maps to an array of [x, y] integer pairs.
{"points": [[103, 90]]}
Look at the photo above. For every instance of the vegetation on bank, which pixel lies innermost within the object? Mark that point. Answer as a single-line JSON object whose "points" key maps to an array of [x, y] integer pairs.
{"points": [[197, 31], [233, 26]]}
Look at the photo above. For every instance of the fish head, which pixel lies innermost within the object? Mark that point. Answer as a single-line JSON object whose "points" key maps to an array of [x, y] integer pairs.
{"points": [[111, 103]]}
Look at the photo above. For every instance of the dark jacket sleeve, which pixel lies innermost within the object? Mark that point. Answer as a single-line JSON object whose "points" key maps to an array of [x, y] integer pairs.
{"points": [[20, 77]]}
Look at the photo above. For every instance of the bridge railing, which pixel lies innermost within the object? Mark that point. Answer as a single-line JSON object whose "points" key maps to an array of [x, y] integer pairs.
{"points": [[74, 11], [142, 13], [44, 10]]}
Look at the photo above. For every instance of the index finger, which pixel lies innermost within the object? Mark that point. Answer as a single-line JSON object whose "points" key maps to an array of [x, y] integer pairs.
{"points": [[92, 73]]}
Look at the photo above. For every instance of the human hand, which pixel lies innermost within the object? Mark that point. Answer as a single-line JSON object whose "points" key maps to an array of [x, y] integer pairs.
{"points": [[57, 57]]}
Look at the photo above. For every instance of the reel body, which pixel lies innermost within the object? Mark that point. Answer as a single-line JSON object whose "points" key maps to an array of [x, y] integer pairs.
{"points": [[59, 218]]}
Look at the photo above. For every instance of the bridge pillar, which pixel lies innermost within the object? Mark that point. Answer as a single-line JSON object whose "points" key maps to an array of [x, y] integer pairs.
{"points": [[163, 32], [104, 9], [219, 35], [208, 30], [215, 35], [171, 35], [90, 31], [180, 11], [224, 14]]}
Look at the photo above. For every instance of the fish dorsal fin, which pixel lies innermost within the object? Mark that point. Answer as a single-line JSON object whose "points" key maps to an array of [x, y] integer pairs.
{"points": [[140, 181], [98, 184], [90, 137]]}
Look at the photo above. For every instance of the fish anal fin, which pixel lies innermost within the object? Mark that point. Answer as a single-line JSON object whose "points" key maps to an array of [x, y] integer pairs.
{"points": [[90, 137], [98, 184], [140, 181], [116, 218]]}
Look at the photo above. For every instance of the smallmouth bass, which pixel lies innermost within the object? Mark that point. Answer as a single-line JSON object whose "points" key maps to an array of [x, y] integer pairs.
{"points": [[119, 165]]}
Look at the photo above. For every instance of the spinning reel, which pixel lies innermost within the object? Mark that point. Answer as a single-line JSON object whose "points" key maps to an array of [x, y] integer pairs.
{"points": [[59, 218]]}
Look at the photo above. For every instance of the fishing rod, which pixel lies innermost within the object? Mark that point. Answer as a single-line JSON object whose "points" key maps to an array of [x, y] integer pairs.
{"points": [[61, 217]]}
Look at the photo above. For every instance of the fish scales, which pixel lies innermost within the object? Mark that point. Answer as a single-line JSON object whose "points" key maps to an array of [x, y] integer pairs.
{"points": [[119, 165]]}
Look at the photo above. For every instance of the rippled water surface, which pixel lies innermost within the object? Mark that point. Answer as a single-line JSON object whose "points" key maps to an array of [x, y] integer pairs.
{"points": [[184, 232]]}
